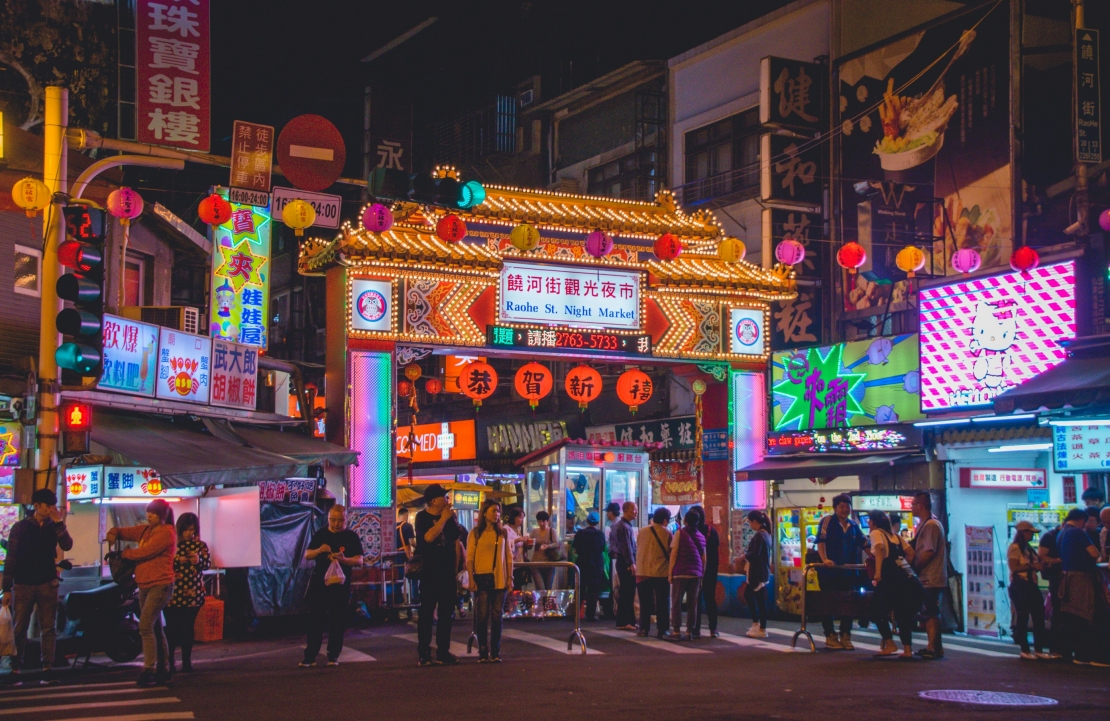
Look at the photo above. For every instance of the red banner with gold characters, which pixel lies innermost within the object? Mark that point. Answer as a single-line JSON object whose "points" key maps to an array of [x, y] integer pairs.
{"points": [[675, 483], [173, 96]]}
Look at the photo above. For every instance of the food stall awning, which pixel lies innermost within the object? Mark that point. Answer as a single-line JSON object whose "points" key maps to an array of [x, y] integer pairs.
{"points": [[184, 454], [777, 469], [297, 445]]}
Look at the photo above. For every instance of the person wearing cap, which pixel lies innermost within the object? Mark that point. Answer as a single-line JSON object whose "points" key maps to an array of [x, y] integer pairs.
{"points": [[1081, 598], [437, 535], [589, 545], [1025, 594], [154, 576]]}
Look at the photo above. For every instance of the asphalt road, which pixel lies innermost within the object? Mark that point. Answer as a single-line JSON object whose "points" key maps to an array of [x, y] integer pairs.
{"points": [[622, 678]]}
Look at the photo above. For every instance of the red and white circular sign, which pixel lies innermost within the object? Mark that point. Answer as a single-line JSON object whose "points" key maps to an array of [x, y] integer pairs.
{"points": [[311, 152]]}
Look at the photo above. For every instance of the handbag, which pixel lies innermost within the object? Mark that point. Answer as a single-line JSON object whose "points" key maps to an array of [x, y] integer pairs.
{"points": [[122, 569], [7, 632], [413, 566], [663, 548]]}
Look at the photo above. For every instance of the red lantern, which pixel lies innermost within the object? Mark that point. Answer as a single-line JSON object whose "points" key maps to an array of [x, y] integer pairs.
{"points": [[214, 210], [533, 381], [433, 387], [404, 389], [583, 384], [667, 247], [451, 228], [634, 388], [851, 256], [413, 372], [1024, 259], [478, 381]]}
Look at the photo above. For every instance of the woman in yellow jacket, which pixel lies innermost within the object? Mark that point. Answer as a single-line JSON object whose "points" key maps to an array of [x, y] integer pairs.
{"points": [[489, 563]]}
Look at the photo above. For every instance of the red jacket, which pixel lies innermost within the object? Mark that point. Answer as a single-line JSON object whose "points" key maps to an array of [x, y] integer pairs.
{"points": [[157, 544]]}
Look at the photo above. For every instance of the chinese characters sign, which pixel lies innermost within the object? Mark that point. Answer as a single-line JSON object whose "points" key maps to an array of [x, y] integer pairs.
{"points": [[674, 433], [863, 383], [252, 156], [985, 336], [1088, 116], [130, 355], [234, 377], [83, 482], [563, 295], [1081, 448], [790, 94], [570, 340], [183, 366], [848, 440], [675, 483], [788, 171], [1003, 478], [438, 441], [291, 490], [172, 94], [140, 482], [241, 276]]}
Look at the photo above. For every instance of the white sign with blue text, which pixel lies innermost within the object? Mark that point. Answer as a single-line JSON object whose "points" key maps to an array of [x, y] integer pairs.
{"points": [[568, 296]]}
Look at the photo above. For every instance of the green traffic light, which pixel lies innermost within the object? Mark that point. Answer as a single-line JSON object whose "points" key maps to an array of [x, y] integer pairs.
{"points": [[81, 359], [471, 194]]}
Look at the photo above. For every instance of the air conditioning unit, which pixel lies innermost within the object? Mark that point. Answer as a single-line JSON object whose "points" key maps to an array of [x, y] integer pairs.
{"points": [[183, 318]]}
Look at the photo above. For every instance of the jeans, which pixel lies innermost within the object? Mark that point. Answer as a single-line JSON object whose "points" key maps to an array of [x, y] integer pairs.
{"points": [[757, 604], [327, 610], [591, 591], [543, 578], [1028, 603], [489, 612], [655, 599], [1056, 638], [709, 598], [181, 623], [626, 595], [152, 600], [827, 625], [436, 594], [691, 587], [25, 599], [1075, 636]]}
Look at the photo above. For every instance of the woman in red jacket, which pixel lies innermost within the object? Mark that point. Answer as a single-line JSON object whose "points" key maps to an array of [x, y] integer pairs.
{"points": [[154, 576]]}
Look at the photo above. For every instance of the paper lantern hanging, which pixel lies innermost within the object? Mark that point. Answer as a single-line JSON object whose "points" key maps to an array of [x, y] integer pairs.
{"points": [[851, 256], [451, 229], [790, 252], [667, 247], [413, 372], [910, 260], [434, 386], [731, 250], [583, 384], [598, 244], [1104, 220], [478, 381], [533, 381], [125, 204], [298, 215], [634, 388], [1024, 259], [404, 389], [966, 260], [377, 218], [524, 237], [31, 194], [214, 210]]}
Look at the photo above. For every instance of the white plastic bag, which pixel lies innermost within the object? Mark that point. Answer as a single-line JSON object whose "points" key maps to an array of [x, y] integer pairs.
{"points": [[7, 632], [335, 574]]}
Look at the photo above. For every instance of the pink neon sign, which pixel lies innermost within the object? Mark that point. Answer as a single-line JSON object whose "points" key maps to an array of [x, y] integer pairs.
{"points": [[982, 337]]}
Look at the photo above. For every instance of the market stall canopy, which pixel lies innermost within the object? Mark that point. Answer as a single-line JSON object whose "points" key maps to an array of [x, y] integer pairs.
{"points": [[185, 455], [413, 494], [294, 444], [1082, 380], [778, 469]]}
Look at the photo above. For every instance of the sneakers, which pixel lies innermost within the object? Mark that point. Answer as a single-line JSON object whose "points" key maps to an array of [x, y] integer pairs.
{"points": [[447, 659], [333, 662], [846, 641], [672, 636], [1049, 656], [425, 663], [495, 659], [304, 664], [929, 655], [832, 642], [1028, 656], [146, 679], [161, 677], [715, 634], [756, 632]]}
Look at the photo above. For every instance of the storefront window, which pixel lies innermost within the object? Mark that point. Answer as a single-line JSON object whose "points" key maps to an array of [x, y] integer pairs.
{"points": [[535, 497], [583, 494], [621, 486]]}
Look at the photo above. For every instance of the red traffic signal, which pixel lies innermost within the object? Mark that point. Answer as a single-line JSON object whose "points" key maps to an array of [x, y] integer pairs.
{"points": [[76, 417]]}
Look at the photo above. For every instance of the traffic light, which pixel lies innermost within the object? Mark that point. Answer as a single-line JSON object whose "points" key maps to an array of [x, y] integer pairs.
{"points": [[83, 254], [426, 189], [76, 427]]}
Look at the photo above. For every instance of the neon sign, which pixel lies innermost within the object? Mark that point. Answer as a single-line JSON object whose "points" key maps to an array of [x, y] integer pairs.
{"points": [[848, 440]]}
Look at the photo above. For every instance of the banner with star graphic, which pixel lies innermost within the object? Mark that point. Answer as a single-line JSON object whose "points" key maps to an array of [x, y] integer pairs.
{"points": [[863, 383], [10, 437], [241, 276]]}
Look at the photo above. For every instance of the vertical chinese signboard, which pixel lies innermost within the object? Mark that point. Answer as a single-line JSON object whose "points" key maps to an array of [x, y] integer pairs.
{"points": [[1088, 112], [234, 375], [173, 89], [130, 355], [241, 277], [252, 156], [790, 94]]}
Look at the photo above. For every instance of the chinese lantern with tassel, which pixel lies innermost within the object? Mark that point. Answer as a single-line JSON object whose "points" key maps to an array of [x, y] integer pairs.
{"points": [[377, 218], [599, 243], [451, 228], [298, 215], [667, 247], [966, 260], [433, 386], [478, 381], [533, 381], [634, 388], [125, 204], [910, 260], [851, 256], [583, 384], [214, 210], [524, 237], [1024, 259], [790, 252], [731, 250], [31, 194]]}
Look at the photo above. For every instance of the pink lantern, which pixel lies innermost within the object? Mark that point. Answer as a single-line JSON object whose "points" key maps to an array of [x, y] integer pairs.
{"points": [[598, 244], [377, 218], [1104, 220], [790, 252], [966, 260], [125, 204]]}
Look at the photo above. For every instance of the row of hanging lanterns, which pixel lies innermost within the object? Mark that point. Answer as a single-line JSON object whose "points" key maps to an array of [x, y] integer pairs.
{"points": [[911, 259]]}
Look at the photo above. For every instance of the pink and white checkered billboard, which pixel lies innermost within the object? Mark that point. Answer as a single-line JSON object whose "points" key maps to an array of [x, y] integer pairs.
{"points": [[982, 337]]}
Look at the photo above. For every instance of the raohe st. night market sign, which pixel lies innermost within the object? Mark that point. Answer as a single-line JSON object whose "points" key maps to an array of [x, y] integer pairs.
{"points": [[568, 295]]}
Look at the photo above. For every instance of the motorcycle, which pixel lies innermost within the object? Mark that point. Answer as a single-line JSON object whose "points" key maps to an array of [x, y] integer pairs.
{"points": [[101, 619]]}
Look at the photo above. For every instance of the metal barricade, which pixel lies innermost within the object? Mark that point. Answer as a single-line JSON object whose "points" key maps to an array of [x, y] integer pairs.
{"points": [[805, 584], [576, 634]]}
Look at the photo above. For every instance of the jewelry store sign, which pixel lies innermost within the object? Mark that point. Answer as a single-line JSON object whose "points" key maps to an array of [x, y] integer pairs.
{"points": [[569, 296]]}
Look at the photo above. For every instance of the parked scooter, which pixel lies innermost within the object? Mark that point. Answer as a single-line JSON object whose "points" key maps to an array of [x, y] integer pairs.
{"points": [[101, 619]]}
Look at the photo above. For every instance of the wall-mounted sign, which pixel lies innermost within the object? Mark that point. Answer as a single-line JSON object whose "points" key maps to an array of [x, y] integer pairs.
{"points": [[608, 455], [862, 383], [11, 440], [1081, 448], [569, 340], [140, 482], [674, 433], [675, 483], [372, 305], [747, 332], [1088, 110], [328, 207], [520, 438], [438, 441], [568, 295], [789, 174], [982, 337], [897, 504], [252, 156], [1003, 478], [714, 445], [83, 482], [241, 277], [130, 356], [184, 366], [466, 500], [234, 375], [173, 96], [790, 94], [867, 439], [289, 490]]}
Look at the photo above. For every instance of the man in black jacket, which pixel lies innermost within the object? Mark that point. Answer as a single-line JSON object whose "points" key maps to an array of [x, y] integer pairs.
{"points": [[589, 544], [31, 577], [437, 538]]}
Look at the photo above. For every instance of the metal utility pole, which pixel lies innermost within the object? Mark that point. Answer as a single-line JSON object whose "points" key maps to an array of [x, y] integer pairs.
{"points": [[1082, 198]]}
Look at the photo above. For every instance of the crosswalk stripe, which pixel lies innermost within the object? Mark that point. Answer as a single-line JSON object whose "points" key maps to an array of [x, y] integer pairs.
{"points": [[168, 716], [95, 704], [69, 692], [949, 645], [803, 644], [650, 642], [759, 643], [550, 643], [46, 689], [353, 655], [459, 649]]}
